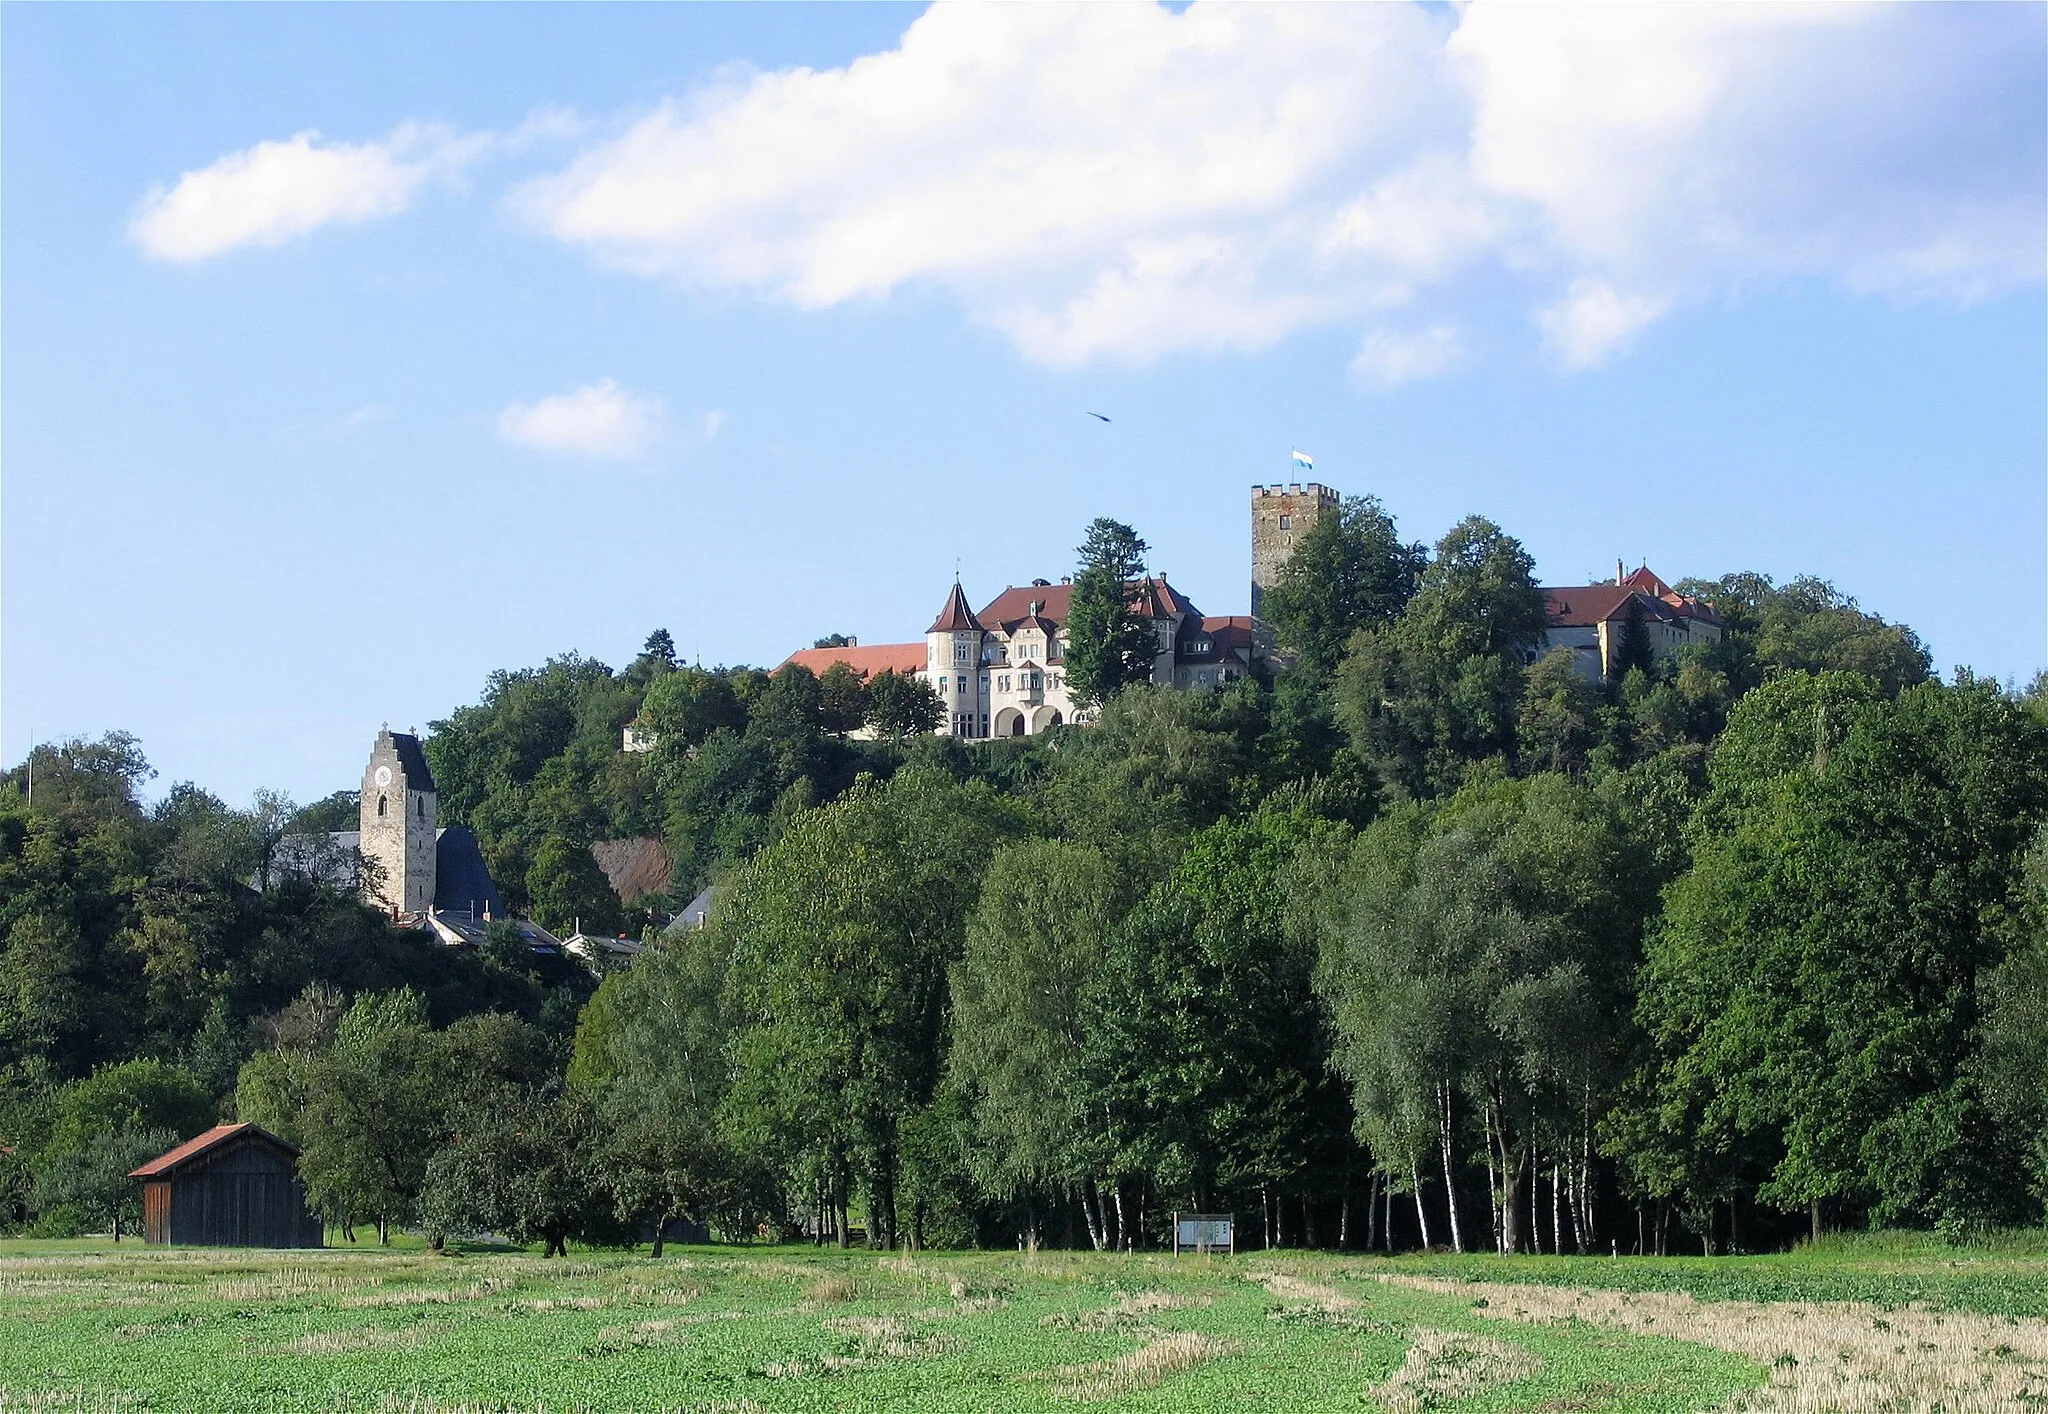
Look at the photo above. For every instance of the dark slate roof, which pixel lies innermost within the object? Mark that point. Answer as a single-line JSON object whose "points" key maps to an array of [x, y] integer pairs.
{"points": [[205, 1143], [461, 878], [418, 774]]}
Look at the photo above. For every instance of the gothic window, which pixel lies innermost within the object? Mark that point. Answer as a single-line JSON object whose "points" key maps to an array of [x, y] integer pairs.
{"points": [[380, 807]]}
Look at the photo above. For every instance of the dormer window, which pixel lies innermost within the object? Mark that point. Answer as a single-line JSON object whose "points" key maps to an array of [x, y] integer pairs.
{"points": [[1200, 645]]}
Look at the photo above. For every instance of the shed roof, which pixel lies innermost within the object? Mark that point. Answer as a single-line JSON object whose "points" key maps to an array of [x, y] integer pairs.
{"points": [[206, 1143]]}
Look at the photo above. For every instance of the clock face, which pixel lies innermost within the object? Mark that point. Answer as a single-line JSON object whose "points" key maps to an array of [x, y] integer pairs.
{"points": [[383, 776]]}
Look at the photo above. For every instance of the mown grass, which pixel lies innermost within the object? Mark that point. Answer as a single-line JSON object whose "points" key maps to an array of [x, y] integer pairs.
{"points": [[2005, 1275], [84, 1327]]}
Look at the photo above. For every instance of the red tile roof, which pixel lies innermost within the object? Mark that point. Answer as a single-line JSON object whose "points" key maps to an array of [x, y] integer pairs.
{"points": [[1583, 605], [201, 1143], [956, 617], [901, 658], [1155, 598]]}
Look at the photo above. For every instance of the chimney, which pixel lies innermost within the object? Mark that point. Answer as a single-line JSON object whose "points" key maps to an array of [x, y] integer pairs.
{"points": [[1619, 573]]}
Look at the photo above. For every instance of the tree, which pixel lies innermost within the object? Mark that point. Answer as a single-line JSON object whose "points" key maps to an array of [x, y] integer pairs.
{"points": [[1203, 1053], [840, 934], [1108, 644], [530, 1166], [1474, 959], [1559, 723], [1632, 651], [842, 700], [687, 705], [1349, 572], [567, 889], [1813, 990], [651, 1051], [2013, 1062], [657, 657], [900, 705], [1439, 689], [90, 1179], [1035, 940], [1806, 626]]}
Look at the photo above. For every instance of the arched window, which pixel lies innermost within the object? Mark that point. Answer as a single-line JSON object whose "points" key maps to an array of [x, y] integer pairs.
{"points": [[380, 807]]}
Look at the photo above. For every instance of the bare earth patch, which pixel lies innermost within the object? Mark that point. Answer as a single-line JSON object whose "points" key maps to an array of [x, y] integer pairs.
{"points": [[1824, 1357], [1446, 1365]]}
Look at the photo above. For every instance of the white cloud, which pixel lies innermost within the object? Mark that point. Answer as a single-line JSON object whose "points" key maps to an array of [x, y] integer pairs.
{"points": [[1594, 321], [1387, 359], [600, 420], [275, 191], [1127, 181]]}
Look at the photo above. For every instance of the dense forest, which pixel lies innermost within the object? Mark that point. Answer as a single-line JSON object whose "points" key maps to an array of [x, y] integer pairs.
{"points": [[1417, 938]]}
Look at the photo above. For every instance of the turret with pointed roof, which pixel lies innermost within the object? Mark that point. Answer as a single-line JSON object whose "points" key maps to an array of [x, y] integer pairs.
{"points": [[956, 617]]}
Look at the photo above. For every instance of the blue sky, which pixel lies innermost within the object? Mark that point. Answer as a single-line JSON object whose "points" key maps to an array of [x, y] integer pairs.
{"points": [[353, 352]]}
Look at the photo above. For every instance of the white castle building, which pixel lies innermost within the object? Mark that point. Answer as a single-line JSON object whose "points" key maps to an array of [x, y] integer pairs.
{"points": [[1001, 671]]}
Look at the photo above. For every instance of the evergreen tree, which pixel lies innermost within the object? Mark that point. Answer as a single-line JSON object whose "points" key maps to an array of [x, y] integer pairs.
{"points": [[1107, 643]]}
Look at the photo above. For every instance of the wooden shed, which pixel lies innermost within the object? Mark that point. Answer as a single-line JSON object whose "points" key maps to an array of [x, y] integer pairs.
{"points": [[234, 1186]]}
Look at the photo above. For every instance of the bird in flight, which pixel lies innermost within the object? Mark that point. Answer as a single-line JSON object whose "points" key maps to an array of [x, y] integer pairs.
{"points": [[1098, 415]]}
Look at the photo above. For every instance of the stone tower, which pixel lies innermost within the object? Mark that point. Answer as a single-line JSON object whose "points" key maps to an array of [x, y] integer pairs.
{"points": [[1281, 515], [399, 822]]}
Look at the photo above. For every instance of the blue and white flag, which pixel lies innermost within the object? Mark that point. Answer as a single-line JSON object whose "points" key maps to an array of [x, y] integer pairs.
{"points": [[1304, 461]]}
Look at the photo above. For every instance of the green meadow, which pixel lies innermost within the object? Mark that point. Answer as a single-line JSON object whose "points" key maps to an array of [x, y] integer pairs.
{"points": [[1852, 1326]]}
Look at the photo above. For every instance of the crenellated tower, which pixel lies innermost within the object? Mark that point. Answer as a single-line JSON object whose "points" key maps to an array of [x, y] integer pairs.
{"points": [[1281, 515]]}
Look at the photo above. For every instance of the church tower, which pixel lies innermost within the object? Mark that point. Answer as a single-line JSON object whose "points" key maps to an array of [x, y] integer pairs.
{"points": [[399, 822], [1281, 515]]}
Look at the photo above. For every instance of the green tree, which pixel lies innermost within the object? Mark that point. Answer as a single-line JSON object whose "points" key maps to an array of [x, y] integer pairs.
{"points": [[1814, 987], [1204, 1052], [1035, 941], [900, 705], [1806, 626], [1349, 572], [1632, 651], [1425, 697], [1560, 721], [566, 887], [842, 700], [1475, 961], [528, 1166], [1108, 643], [840, 934], [89, 1182]]}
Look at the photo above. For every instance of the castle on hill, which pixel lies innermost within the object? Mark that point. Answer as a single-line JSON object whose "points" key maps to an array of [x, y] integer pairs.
{"points": [[1001, 670]]}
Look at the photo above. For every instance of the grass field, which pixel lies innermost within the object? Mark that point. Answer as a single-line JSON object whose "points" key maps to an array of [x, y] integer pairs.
{"points": [[1865, 1326]]}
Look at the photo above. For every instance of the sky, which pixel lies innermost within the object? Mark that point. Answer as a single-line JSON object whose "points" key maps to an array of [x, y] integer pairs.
{"points": [[349, 353]]}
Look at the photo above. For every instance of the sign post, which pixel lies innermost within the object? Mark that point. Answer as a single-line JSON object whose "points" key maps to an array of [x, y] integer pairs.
{"points": [[1204, 1233]]}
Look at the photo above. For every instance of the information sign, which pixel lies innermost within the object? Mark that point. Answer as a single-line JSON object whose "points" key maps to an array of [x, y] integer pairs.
{"points": [[1204, 1232]]}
